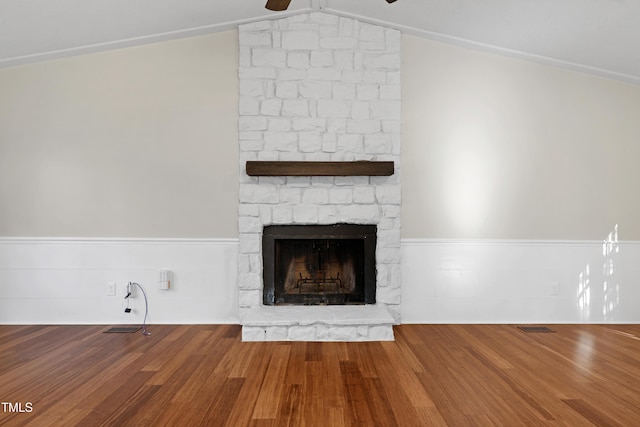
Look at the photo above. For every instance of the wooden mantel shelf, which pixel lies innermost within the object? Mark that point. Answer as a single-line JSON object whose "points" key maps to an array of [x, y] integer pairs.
{"points": [[292, 168]]}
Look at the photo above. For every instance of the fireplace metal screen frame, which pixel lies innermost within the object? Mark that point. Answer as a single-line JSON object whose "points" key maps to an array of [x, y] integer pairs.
{"points": [[365, 232]]}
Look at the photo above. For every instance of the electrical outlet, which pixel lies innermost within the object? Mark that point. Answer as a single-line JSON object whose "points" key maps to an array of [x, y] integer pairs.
{"points": [[111, 289], [555, 289]]}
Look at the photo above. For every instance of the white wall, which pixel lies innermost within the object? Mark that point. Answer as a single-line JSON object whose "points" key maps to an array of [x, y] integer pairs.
{"points": [[513, 173], [500, 148], [64, 281], [136, 142], [51, 281], [484, 281], [142, 142]]}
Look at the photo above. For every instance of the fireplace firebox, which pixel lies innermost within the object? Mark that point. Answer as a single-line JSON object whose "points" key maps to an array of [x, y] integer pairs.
{"points": [[319, 264]]}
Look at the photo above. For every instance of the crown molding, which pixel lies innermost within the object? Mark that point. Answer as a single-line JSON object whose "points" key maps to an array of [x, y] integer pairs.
{"points": [[142, 40], [470, 44], [317, 6]]}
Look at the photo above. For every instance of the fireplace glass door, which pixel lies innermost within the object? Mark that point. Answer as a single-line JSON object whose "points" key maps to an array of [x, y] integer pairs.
{"points": [[319, 265]]}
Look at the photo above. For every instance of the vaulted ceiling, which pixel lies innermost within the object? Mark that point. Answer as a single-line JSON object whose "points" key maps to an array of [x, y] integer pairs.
{"points": [[595, 36]]}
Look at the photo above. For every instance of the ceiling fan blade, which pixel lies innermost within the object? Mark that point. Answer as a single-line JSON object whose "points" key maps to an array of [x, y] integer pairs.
{"points": [[277, 5]]}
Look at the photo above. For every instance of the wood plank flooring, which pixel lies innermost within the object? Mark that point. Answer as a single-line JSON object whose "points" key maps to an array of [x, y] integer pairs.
{"points": [[432, 375]]}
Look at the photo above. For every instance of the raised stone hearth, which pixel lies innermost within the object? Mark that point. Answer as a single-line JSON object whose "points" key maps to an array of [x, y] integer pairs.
{"points": [[316, 87], [318, 323]]}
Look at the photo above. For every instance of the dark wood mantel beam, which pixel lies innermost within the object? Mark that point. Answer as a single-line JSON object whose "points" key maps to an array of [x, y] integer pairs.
{"points": [[293, 168]]}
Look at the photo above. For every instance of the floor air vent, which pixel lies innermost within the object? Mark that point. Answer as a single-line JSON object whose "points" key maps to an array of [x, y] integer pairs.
{"points": [[122, 330], [535, 329]]}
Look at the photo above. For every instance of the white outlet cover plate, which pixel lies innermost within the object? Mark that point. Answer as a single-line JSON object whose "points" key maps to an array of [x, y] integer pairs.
{"points": [[111, 289]]}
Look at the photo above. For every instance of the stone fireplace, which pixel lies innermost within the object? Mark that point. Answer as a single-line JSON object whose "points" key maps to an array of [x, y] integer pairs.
{"points": [[319, 89]]}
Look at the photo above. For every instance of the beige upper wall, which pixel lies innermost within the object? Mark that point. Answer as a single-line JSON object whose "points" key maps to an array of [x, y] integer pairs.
{"points": [[499, 148], [142, 142], [136, 142]]}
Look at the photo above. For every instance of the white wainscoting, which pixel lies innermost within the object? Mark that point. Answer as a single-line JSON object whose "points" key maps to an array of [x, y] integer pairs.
{"points": [[448, 281], [64, 281]]}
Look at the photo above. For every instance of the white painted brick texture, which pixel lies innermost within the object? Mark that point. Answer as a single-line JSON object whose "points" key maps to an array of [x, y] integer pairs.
{"points": [[319, 87]]}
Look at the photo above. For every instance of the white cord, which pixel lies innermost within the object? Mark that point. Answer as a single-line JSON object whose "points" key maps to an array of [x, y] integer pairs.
{"points": [[146, 306]]}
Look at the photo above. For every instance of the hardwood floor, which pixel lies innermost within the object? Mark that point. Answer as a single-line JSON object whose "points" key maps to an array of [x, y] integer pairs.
{"points": [[432, 375]]}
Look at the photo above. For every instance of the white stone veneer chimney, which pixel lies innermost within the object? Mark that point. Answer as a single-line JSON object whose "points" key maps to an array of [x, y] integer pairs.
{"points": [[324, 88]]}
